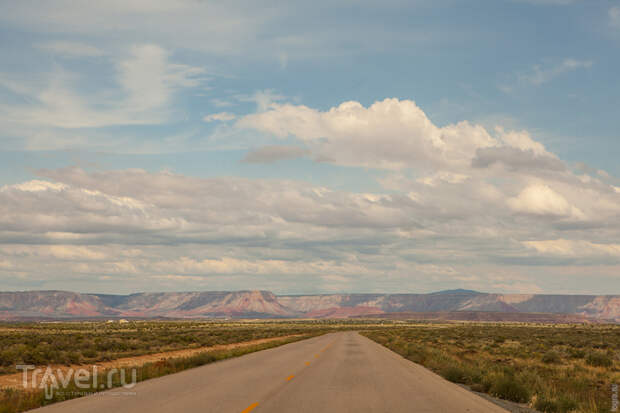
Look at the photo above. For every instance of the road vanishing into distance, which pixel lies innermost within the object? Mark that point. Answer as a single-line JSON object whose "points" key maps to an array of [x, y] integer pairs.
{"points": [[337, 372]]}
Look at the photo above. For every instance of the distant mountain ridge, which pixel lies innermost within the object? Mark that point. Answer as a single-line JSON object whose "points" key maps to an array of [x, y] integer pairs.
{"points": [[265, 304]]}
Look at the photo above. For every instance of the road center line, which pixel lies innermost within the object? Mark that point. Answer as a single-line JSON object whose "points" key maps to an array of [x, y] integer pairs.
{"points": [[250, 408]]}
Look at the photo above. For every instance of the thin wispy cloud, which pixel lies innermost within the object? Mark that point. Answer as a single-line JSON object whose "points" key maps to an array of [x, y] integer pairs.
{"points": [[146, 83], [545, 73], [220, 116], [614, 16], [540, 74], [71, 49]]}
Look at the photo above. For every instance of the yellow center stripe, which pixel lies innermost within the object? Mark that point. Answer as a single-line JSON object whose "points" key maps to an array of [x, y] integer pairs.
{"points": [[250, 408]]}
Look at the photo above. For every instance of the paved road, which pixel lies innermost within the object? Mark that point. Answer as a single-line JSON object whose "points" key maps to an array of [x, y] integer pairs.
{"points": [[338, 372]]}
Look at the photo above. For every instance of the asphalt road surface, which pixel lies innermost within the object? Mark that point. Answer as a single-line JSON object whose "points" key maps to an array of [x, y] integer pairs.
{"points": [[338, 372]]}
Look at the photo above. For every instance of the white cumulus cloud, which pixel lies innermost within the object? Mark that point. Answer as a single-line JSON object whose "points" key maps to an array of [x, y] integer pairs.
{"points": [[541, 200], [389, 134]]}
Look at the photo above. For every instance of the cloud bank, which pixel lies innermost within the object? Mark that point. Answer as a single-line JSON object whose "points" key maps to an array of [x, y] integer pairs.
{"points": [[488, 209]]}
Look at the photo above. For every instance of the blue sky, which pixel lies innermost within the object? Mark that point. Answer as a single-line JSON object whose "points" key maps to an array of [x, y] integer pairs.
{"points": [[310, 147]]}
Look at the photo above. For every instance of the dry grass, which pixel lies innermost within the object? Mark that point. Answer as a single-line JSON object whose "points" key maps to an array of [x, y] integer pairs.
{"points": [[18, 400], [555, 368], [15, 381], [78, 343]]}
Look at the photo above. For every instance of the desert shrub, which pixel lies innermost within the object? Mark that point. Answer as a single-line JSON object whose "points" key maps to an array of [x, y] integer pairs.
{"points": [[577, 353], [532, 380], [417, 355], [599, 359], [507, 387], [7, 357], [463, 373], [566, 404], [13, 401], [546, 405], [90, 352], [454, 374], [559, 405], [551, 357]]}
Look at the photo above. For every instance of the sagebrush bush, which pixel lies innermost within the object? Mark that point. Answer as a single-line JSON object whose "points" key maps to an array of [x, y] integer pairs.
{"points": [[454, 374], [561, 404], [577, 353], [509, 388], [545, 405], [599, 359], [551, 357]]}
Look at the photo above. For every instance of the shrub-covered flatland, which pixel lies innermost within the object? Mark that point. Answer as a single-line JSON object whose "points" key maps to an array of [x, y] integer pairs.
{"points": [[552, 368], [71, 343], [555, 368], [74, 343]]}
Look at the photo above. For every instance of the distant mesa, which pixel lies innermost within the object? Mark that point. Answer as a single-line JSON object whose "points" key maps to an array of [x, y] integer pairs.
{"points": [[457, 291], [459, 304]]}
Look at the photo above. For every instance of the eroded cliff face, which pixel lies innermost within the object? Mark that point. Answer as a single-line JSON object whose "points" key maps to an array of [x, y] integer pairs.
{"points": [[69, 305], [605, 307]]}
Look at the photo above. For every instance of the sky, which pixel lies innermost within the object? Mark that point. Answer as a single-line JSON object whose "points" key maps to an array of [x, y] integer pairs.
{"points": [[310, 147]]}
